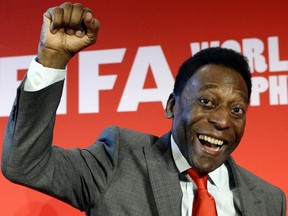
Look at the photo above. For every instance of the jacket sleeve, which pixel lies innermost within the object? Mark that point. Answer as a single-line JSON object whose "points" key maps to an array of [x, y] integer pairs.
{"points": [[29, 159], [284, 204]]}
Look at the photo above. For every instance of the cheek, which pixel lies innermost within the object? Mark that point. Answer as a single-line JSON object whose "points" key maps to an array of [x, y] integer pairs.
{"points": [[185, 123], [239, 129], [194, 114], [238, 134]]}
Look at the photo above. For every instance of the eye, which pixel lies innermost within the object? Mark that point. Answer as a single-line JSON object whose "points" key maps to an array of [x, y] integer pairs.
{"points": [[237, 111], [206, 102]]}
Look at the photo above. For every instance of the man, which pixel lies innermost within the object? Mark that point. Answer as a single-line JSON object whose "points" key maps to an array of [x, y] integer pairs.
{"points": [[127, 172]]}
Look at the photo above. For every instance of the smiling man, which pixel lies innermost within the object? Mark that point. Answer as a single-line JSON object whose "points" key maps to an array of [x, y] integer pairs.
{"points": [[188, 171], [210, 110]]}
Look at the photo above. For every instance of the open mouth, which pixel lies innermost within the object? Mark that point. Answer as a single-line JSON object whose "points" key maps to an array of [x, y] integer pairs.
{"points": [[211, 143]]}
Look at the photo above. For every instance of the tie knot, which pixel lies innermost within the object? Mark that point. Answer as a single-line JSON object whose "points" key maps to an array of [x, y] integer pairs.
{"points": [[199, 179]]}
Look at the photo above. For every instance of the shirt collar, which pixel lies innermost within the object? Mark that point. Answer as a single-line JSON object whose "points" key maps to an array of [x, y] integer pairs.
{"points": [[218, 176]]}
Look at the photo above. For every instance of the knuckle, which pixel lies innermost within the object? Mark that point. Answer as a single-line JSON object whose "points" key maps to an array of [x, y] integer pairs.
{"points": [[66, 5], [78, 5], [56, 15]]}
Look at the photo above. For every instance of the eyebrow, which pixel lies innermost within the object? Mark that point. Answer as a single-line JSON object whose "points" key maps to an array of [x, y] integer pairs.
{"points": [[208, 86]]}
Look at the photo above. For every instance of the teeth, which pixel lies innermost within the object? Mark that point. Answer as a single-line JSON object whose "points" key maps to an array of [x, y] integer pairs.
{"points": [[211, 140], [217, 148]]}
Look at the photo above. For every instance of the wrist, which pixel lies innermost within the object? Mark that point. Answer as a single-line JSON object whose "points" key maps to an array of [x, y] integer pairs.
{"points": [[52, 59]]}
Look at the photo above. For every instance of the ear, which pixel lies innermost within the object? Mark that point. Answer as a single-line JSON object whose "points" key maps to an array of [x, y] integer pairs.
{"points": [[170, 106]]}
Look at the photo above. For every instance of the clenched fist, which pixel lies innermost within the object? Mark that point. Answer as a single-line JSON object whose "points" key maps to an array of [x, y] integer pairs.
{"points": [[66, 30]]}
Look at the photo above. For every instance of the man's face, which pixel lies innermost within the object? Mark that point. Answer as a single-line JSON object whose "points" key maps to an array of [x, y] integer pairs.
{"points": [[209, 116]]}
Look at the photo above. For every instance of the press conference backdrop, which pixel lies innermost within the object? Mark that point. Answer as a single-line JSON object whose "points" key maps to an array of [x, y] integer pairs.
{"points": [[127, 76]]}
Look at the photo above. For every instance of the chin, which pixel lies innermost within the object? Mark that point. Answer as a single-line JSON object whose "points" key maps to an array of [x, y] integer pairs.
{"points": [[204, 166]]}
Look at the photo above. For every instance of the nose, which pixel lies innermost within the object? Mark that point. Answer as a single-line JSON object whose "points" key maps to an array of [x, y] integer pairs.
{"points": [[220, 118]]}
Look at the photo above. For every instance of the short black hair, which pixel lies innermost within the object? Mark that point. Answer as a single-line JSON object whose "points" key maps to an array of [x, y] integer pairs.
{"points": [[215, 55]]}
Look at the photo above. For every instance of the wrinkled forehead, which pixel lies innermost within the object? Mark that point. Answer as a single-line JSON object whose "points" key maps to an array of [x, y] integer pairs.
{"points": [[217, 76], [217, 73]]}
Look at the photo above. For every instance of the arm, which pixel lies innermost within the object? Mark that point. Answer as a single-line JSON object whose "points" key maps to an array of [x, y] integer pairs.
{"points": [[28, 156]]}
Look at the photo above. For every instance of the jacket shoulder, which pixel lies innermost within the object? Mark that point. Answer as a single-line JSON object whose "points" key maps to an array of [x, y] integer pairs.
{"points": [[120, 135], [260, 182]]}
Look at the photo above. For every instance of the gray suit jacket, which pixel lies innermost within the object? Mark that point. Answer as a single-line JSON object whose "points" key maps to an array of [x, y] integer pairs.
{"points": [[123, 173]]}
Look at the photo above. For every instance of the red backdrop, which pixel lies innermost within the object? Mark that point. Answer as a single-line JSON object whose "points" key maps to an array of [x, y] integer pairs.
{"points": [[173, 31]]}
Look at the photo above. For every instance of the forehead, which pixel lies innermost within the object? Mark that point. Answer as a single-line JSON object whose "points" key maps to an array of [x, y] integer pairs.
{"points": [[219, 77]]}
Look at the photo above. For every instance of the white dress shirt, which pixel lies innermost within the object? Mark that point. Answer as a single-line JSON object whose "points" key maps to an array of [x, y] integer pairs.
{"points": [[39, 77]]}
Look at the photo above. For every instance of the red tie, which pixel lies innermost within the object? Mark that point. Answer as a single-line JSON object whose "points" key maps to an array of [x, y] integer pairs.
{"points": [[204, 203]]}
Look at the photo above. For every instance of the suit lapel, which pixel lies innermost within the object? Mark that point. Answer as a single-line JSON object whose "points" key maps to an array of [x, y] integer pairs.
{"points": [[246, 196], [164, 178], [250, 205]]}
